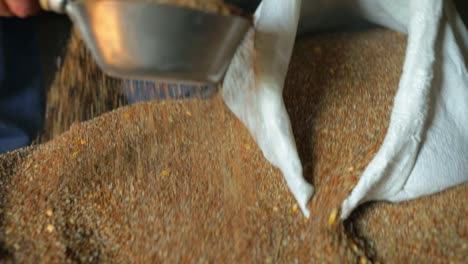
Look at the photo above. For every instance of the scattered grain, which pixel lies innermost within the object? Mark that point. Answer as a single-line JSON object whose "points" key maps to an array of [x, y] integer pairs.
{"points": [[203, 214]]}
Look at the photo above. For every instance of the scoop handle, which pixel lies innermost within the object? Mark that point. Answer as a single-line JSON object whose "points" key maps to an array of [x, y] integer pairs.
{"points": [[57, 6]]}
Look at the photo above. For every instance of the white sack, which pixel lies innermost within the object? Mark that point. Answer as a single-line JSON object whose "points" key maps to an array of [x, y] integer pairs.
{"points": [[426, 147]]}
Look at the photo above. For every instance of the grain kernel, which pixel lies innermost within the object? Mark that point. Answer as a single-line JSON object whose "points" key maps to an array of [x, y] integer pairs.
{"points": [[362, 260], [50, 228], [355, 248], [332, 217], [295, 208]]}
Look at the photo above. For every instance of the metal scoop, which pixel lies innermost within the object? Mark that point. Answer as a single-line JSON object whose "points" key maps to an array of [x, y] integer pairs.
{"points": [[149, 41]]}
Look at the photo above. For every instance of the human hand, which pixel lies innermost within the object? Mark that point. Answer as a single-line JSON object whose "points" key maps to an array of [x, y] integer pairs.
{"points": [[19, 8]]}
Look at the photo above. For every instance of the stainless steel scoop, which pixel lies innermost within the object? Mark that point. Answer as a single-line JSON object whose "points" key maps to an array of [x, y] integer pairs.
{"points": [[140, 40]]}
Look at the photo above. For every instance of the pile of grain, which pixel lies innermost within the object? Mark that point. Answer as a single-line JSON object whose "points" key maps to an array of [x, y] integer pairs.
{"points": [[183, 181], [74, 96]]}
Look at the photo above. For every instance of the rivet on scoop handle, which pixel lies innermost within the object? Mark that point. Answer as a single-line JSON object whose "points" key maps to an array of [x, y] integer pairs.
{"points": [[54, 5]]}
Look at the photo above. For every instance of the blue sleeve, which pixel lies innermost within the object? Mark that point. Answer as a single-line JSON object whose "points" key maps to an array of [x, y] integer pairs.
{"points": [[22, 97]]}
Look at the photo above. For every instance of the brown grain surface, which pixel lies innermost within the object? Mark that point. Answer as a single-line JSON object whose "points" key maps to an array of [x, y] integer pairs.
{"points": [[183, 181]]}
